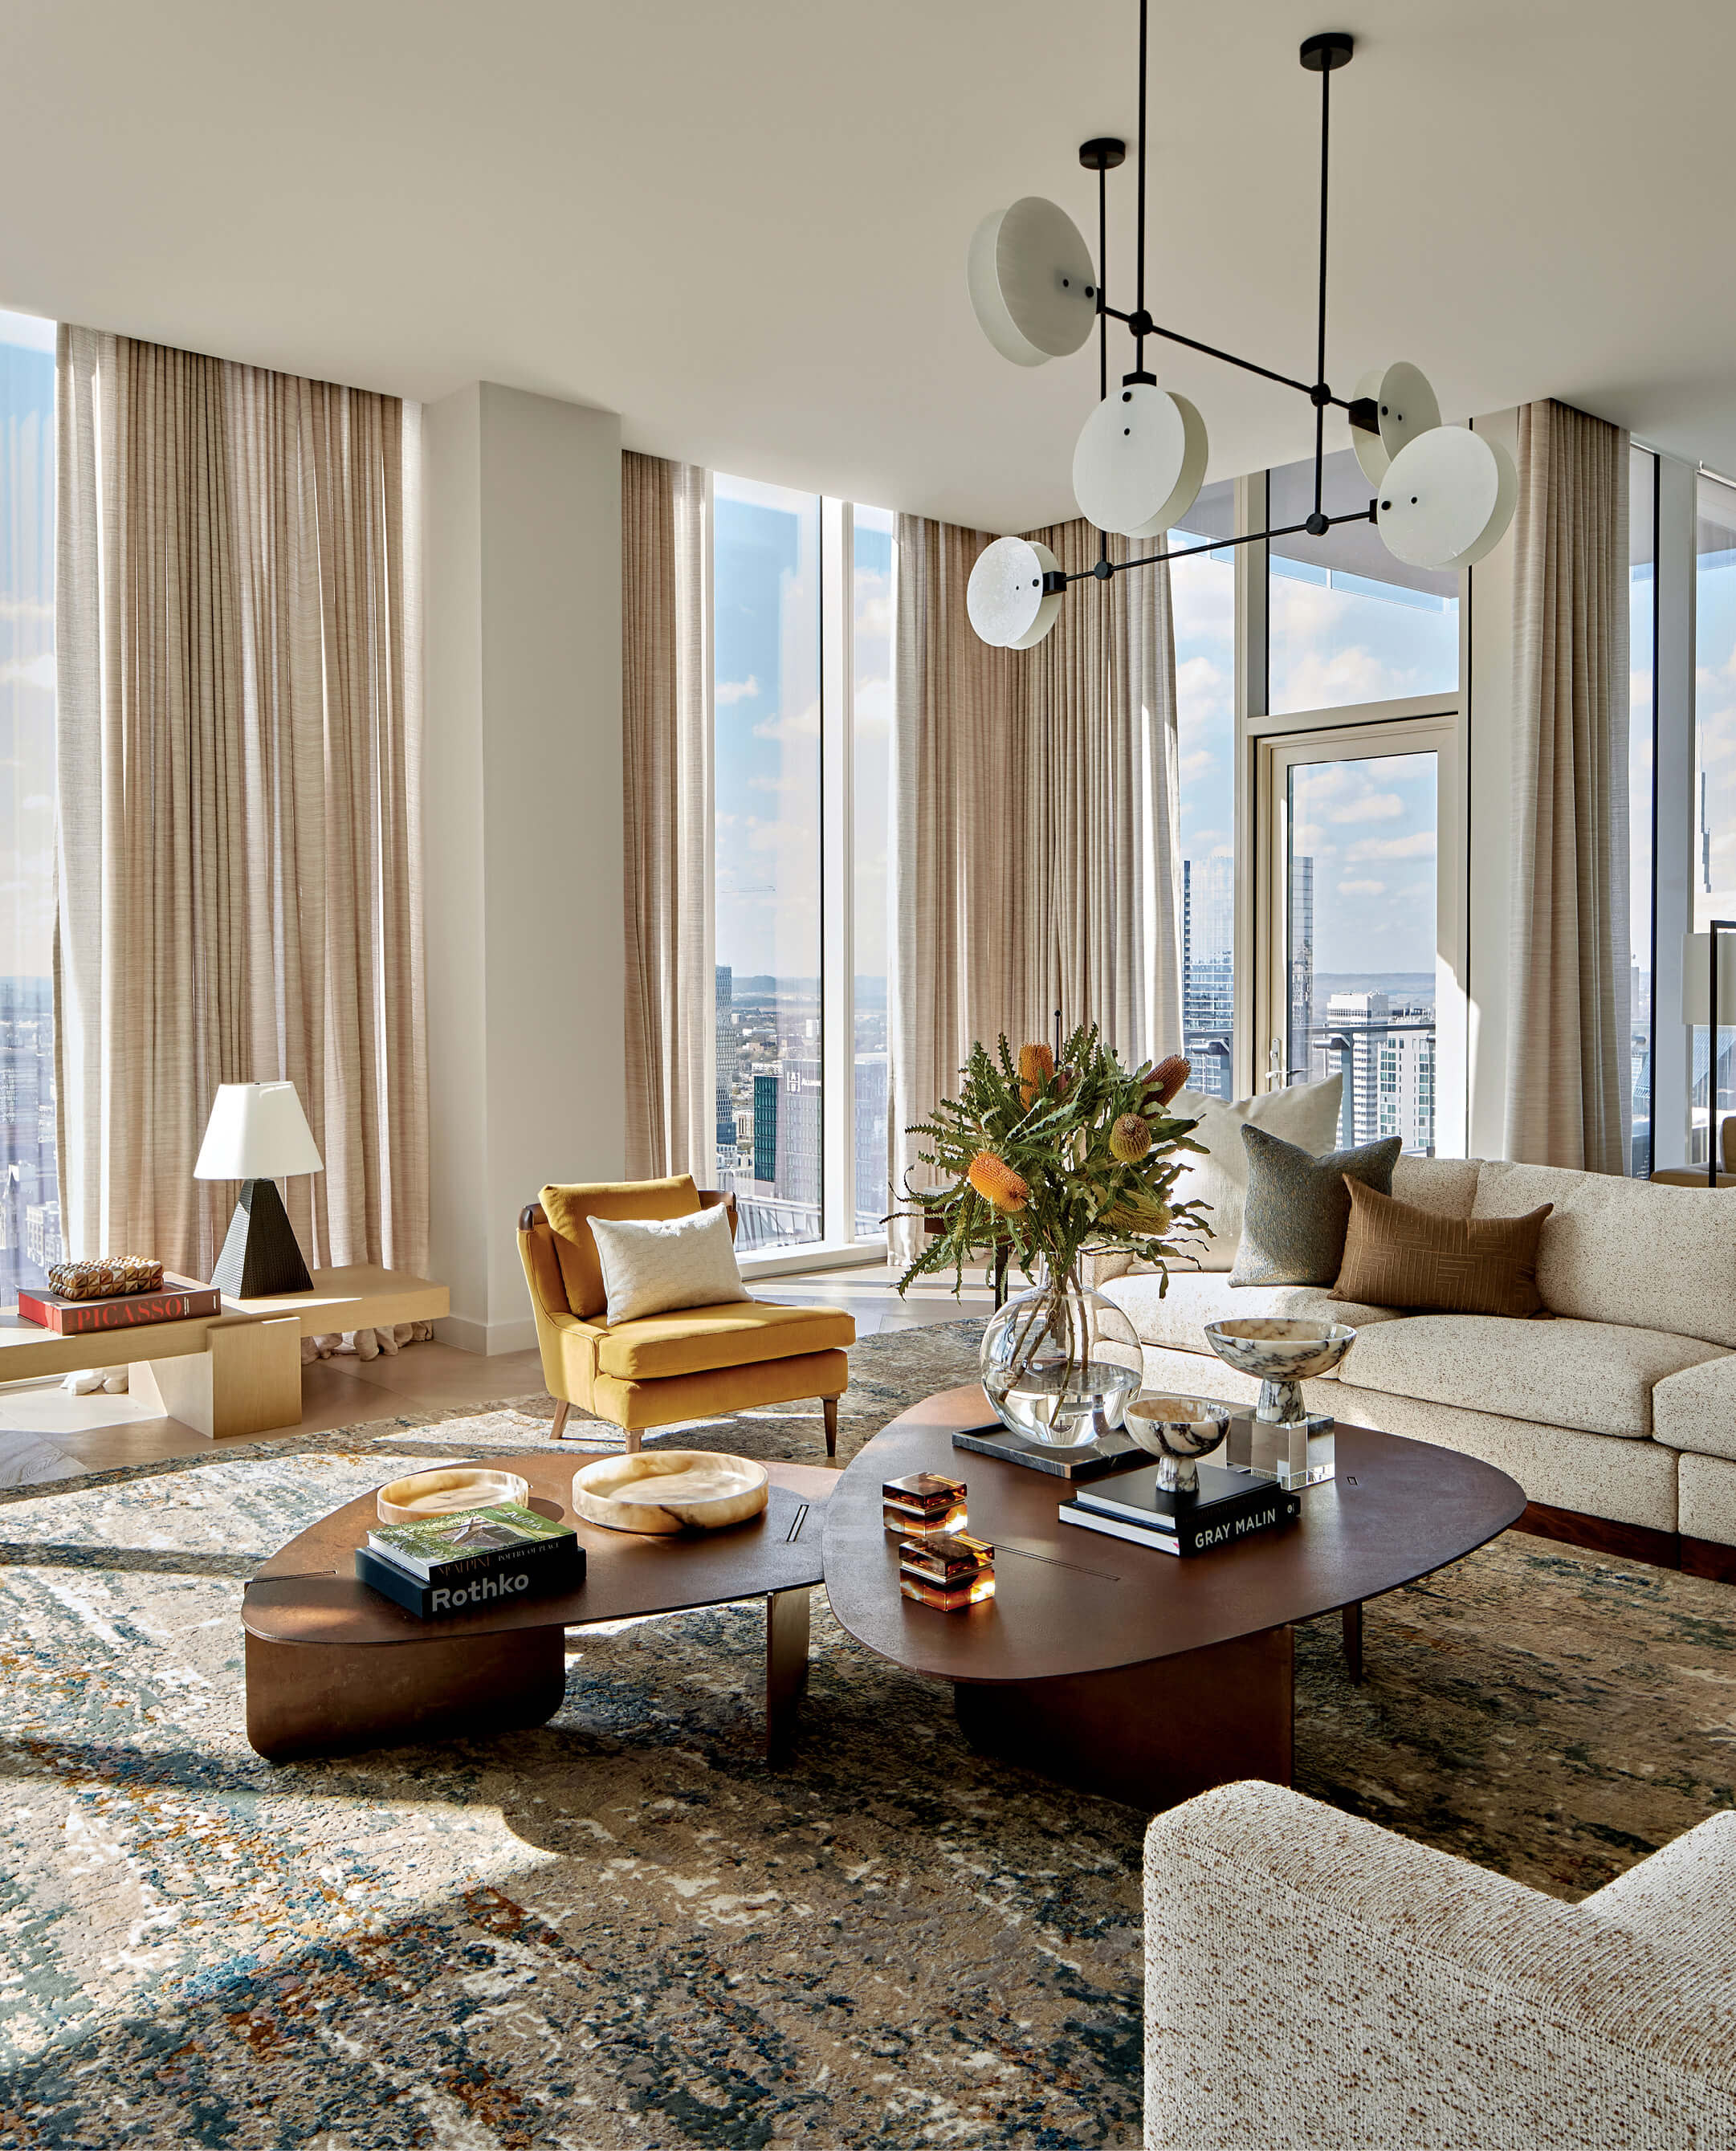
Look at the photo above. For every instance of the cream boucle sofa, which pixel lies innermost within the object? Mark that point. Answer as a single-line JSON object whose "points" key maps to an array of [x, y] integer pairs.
{"points": [[1622, 1408], [1315, 1982]]}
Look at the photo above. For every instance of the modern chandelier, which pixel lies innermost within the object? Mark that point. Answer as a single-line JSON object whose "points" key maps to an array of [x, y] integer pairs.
{"points": [[1445, 496]]}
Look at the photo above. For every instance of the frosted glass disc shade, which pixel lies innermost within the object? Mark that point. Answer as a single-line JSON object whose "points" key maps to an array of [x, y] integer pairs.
{"points": [[1139, 460], [1005, 597], [1446, 499], [256, 1131], [1031, 282], [1409, 406]]}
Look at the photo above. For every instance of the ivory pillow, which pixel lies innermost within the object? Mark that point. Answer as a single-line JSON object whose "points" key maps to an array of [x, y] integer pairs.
{"points": [[652, 1266], [1306, 1114]]}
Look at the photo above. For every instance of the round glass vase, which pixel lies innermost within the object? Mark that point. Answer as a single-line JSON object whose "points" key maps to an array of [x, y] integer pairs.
{"points": [[1060, 1364]]}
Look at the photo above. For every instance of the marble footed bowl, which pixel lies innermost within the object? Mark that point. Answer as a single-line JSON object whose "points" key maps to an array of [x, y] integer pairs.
{"points": [[1277, 1351], [1177, 1427], [671, 1490]]}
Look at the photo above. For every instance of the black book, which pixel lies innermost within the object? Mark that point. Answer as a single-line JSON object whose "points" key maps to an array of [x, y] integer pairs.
{"points": [[1222, 1492], [474, 1593], [1192, 1535]]}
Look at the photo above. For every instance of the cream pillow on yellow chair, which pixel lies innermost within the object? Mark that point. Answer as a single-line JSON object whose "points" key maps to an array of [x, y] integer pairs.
{"points": [[655, 1266]]}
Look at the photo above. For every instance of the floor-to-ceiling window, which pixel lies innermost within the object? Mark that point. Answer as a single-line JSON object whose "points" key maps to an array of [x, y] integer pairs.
{"points": [[1714, 860], [802, 686], [1641, 728], [29, 1192], [871, 596], [1203, 598], [1363, 924]]}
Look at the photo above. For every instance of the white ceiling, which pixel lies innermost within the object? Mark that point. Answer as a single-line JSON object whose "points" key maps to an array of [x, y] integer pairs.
{"points": [[743, 225]]}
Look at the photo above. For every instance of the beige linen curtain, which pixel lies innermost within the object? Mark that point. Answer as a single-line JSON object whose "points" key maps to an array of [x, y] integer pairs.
{"points": [[237, 729], [1034, 855], [666, 701], [1568, 1074]]}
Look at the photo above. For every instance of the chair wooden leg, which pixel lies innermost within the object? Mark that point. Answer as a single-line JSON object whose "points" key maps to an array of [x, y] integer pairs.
{"points": [[632, 1435], [562, 1408], [830, 1405]]}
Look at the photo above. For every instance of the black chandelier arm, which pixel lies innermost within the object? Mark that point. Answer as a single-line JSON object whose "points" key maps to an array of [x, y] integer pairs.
{"points": [[1139, 339], [1055, 580], [1320, 346]]}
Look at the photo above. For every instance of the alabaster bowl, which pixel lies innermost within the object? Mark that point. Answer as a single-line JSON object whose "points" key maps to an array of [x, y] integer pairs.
{"points": [[671, 1490], [1178, 1431], [444, 1491], [1279, 1351]]}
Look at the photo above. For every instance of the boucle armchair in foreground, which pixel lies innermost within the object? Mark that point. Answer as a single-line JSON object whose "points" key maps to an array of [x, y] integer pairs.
{"points": [[1313, 1980]]}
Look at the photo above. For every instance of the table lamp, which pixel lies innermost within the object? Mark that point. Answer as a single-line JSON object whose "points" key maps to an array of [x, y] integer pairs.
{"points": [[258, 1135], [1708, 997]]}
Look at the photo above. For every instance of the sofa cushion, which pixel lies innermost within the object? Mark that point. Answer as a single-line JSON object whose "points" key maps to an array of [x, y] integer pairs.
{"points": [[1176, 1321], [1623, 1251], [698, 1338], [1591, 1375], [1445, 1187], [1696, 1410], [1297, 1206], [1397, 1255], [1683, 1898], [1305, 1113]]}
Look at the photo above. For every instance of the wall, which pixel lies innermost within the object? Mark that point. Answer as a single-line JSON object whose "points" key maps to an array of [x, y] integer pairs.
{"points": [[523, 829]]}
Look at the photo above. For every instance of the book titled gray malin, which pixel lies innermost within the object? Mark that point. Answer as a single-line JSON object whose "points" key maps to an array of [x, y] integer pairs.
{"points": [[1231, 1506]]}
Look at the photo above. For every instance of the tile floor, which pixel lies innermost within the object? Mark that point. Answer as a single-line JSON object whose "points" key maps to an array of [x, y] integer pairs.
{"points": [[103, 1431]]}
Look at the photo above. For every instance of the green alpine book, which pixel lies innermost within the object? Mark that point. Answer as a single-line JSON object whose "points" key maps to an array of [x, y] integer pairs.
{"points": [[472, 1542]]}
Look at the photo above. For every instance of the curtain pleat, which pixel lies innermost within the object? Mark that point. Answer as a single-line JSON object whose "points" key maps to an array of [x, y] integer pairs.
{"points": [[666, 705], [1568, 1076], [239, 851], [1035, 853]]}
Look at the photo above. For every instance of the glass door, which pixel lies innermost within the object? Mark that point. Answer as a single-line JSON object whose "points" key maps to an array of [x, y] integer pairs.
{"points": [[1363, 956]]}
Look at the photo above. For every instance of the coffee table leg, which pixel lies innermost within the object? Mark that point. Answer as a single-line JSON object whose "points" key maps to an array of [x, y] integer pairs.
{"points": [[1150, 1734], [307, 1699], [786, 1627], [1353, 1640]]}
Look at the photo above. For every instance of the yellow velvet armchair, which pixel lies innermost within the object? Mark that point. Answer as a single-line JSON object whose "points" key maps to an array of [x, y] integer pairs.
{"points": [[696, 1362]]}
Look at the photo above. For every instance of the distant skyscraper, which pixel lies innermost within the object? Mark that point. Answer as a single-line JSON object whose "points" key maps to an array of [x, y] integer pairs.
{"points": [[1208, 971], [1302, 966], [872, 1162], [726, 1050]]}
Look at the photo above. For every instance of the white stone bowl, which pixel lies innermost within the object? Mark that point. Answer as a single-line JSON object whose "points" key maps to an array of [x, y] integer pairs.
{"points": [[447, 1490], [1279, 1351], [671, 1490]]}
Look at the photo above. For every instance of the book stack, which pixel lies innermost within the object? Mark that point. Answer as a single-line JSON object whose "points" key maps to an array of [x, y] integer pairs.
{"points": [[1231, 1506], [126, 1310], [472, 1561]]}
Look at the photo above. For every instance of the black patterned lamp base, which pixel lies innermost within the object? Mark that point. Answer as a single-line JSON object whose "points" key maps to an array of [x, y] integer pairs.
{"points": [[261, 1255]]}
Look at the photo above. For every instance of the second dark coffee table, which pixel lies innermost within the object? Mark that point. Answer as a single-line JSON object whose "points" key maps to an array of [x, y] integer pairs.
{"points": [[1121, 1670]]}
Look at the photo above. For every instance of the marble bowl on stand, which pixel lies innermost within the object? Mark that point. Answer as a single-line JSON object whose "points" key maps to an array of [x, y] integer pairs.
{"points": [[1284, 1441], [1177, 1431], [447, 1490]]}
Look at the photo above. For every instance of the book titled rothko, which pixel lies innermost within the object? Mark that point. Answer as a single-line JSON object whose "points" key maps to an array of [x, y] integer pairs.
{"points": [[131, 1310]]}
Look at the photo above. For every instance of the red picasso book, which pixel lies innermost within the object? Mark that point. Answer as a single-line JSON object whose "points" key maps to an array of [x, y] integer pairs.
{"points": [[76, 1317]]}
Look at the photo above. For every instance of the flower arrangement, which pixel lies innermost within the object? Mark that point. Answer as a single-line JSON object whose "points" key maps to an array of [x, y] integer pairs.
{"points": [[1056, 1162]]}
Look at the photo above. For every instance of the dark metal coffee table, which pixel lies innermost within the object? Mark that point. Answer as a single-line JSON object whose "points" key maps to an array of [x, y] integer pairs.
{"points": [[1121, 1670], [333, 1668]]}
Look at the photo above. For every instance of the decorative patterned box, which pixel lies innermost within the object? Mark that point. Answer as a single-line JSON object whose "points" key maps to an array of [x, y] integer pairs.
{"points": [[949, 1571], [922, 1503]]}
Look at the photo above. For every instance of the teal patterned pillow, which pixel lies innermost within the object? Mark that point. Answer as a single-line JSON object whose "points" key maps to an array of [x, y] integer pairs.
{"points": [[1298, 1209]]}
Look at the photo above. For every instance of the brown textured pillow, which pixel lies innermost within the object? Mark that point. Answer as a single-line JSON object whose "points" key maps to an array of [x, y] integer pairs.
{"points": [[1396, 1255]]}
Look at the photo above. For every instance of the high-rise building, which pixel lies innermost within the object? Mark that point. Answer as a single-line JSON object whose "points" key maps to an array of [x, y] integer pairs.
{"points": [[1302, 964], [724, 1028], [1208, 978], [873, 1165]]}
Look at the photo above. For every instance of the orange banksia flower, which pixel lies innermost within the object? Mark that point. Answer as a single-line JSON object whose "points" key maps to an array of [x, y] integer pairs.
{"points": [[1167, 1077], [1036, 1064], [995, 1181], [1130, 1138]]}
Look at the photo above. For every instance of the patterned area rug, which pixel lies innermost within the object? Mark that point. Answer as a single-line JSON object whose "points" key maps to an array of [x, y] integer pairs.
{"points": [[621, 1932]]}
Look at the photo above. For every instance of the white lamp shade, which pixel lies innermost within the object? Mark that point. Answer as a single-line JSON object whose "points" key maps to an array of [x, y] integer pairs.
{"points": [[1138, 462], [1696, 978], [1005, 598], [1446, 499], [257, 1131], [1031, 282], [1407, 406]]}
